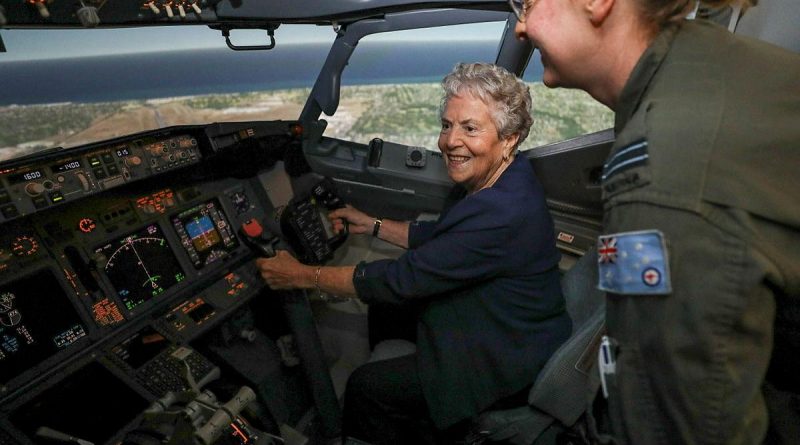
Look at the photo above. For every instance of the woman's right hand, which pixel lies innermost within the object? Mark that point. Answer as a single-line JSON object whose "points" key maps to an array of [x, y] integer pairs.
{"points": [[359, 222]]}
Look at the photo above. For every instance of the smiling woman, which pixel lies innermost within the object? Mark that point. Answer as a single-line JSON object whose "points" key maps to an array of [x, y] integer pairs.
{"points": [[487, 263], [485, 116]]}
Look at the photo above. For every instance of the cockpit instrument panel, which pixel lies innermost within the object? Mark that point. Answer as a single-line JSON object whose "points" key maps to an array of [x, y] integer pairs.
{"points": [[35, 186], [36, 321], [140, 266], [110, 269], [205, 233]]}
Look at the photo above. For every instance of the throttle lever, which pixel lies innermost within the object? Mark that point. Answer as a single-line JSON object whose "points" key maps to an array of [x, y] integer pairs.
{"points": [[258, 239]]}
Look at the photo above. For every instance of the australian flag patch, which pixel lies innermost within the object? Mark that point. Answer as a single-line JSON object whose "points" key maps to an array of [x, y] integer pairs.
{"points": [[631, 263]]}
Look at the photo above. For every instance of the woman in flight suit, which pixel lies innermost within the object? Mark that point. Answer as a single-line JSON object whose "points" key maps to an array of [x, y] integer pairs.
{"points": [[485, 275], [701, 232]]}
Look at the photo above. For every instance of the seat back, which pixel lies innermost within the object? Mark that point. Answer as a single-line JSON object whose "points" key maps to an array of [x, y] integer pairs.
{"points": [[563, 388]]}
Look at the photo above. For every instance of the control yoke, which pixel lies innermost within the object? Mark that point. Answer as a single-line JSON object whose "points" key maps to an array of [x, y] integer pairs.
{"points": [[303, 225]]}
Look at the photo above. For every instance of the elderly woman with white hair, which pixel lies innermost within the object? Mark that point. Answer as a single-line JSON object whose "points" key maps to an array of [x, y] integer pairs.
{"points": [[484, 275]]}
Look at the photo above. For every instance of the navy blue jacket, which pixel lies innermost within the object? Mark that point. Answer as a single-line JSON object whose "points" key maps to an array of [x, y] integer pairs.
{"points": [[494, 312]]}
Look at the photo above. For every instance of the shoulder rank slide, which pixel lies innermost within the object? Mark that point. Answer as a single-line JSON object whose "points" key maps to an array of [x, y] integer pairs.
{"points": [[627, 157], [632, 263]]}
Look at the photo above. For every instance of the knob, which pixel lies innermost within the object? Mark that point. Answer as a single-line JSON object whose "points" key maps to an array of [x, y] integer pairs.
{"points": [[42, 9], [133, 161], [83, 180], [88, 16], [248, 334], [34, 189]]}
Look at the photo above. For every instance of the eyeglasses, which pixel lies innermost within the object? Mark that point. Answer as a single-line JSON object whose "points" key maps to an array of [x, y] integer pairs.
{"points": [[518, 6]]}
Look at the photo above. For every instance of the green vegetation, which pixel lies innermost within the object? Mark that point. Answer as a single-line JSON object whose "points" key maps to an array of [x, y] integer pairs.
{"points": [[401, 113], [560, 114], [27, 124], [409, 114], [406, 114]]}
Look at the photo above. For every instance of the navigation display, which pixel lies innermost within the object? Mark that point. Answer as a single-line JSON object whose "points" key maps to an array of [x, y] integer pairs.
{"points": [[205, 233], [36, 321], [140, 266]]}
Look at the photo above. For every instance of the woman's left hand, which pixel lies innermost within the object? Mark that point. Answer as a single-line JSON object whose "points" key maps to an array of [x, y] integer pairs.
{"points": [[282, 271]]}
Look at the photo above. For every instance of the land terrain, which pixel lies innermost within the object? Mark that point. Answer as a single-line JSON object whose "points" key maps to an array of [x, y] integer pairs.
{"points": [[407, 114]]}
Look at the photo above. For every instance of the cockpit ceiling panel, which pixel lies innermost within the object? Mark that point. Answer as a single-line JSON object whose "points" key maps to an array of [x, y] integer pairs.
{"points": [[105, 13]]}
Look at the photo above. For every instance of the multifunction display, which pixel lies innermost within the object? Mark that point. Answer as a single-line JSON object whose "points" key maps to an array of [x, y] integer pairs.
{"points": [[140, 266], [36, 321], [205, 233]]}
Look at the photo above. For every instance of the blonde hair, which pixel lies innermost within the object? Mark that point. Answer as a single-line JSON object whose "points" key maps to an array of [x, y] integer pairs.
{"points": [[664, 13], [507, 96]]}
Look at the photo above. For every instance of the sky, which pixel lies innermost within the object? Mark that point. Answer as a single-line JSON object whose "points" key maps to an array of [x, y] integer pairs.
{"points": [[48, 44]]}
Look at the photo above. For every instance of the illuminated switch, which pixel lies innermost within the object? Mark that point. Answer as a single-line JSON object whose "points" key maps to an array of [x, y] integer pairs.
{"points": [[133, 161], [56, 197], [87, 225], [99, 173], [94, 161], [107, 158], [113, 170]]}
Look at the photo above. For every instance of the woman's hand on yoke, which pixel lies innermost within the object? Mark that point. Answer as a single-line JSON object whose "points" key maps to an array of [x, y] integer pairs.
{"points": [[283, 271], [359, 222]]}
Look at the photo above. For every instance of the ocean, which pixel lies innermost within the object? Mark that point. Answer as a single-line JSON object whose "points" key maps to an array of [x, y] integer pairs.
{"points": [[223, 71]]}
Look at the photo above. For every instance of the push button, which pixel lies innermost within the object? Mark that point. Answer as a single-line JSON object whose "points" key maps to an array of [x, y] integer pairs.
{"points": [[40, 202], [10, 211], [56, 197], [107, 158]]}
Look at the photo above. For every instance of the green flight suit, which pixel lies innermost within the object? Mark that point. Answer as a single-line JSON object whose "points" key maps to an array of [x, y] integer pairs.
{"points": [[719, 176]]}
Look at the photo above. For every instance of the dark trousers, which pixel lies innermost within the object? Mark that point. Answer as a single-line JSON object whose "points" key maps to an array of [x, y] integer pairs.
{"points": [[384, 405]]}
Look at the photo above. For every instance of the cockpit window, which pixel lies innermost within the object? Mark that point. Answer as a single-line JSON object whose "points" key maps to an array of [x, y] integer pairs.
{"points": [[391, 86], [64, 88], [560, 113], [391, 89]]}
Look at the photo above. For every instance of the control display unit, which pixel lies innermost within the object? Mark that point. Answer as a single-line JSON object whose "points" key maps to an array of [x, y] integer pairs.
{"points": [[139, 348], [205, 233], [140, 266], [36, 321]]}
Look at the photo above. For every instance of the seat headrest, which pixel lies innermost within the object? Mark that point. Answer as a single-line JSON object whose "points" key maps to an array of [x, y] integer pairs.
{"points": [[773, 21]]}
